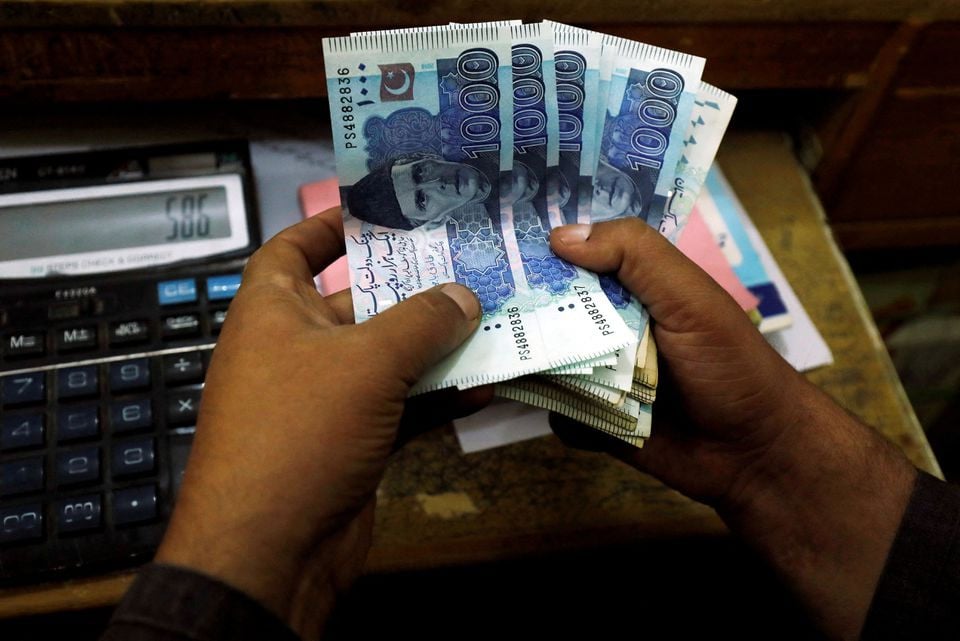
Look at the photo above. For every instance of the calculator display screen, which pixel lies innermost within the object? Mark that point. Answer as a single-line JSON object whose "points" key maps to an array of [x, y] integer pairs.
{"points": [[120, 227], [114, 222]]}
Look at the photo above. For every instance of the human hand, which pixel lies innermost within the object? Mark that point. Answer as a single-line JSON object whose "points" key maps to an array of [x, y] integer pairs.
{"points": [[300, 412], [728, 395], [810, 487]]}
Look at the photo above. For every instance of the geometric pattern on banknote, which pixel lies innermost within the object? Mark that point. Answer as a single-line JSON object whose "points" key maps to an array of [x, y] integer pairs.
{"points": [[636, 139], [616, 293], [403, 134], [543, 269], [479, 258]]}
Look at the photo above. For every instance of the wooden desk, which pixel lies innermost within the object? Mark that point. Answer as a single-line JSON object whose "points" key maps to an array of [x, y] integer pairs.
{"points": [[439, 507]]}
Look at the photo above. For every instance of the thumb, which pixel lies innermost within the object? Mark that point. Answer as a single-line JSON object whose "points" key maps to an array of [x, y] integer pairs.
{"points": [[678, 294], [416, 334]]}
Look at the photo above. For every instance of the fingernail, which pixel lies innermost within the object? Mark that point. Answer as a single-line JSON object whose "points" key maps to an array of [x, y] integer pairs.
{"points": [[573, 234], [464, 298]]}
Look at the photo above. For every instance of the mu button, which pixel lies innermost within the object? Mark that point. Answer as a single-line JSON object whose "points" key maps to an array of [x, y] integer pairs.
{"points": [[182, 407], [181, 325]]}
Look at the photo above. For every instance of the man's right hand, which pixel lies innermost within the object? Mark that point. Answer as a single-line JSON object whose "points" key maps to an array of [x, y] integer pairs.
{"points": [[814, 490]]}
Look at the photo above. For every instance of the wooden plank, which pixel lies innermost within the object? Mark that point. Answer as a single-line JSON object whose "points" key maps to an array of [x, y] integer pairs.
{"points": [[897, 234], [437, 506], [381, 13], [838, 157], [905, 166], [42, 65], [932, 59]]}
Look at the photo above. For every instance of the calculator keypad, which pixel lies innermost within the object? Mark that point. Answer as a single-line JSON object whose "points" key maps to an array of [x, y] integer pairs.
{"points": [[97, 422]]}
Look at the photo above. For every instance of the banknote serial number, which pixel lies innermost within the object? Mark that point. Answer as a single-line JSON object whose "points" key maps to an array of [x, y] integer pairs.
{"points": [[519, 334], [592, 310], [347, 117]]}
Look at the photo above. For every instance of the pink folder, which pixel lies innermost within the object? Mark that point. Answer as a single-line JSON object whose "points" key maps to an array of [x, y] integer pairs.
{"points": [[698, 244], [315, 198]]}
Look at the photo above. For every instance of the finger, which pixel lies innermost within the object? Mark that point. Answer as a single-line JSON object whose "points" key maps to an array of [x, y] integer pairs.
{"points": [[672, 287], [299, 251], [342, 306], [427, 411], [416, 334]]}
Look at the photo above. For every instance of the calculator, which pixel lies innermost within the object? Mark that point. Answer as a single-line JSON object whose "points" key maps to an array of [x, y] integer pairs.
{"points": [[117, 269]]}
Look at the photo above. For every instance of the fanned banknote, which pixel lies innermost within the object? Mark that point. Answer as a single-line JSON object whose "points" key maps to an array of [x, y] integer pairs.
{"points": [[460, 147], [424, 145]]}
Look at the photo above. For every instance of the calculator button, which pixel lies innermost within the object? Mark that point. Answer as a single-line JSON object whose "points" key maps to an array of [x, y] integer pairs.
{"points": [[131, 415], [29, 387], [179, 448], [217, 318], [128, 375], [135, 504], [79, 513], [77, 338], [183, 368], [73, 382], [128, 332], [76, 422], [180, 326], [78, 466], [20, 476], [223, 287], [64, 311], [27, 344], [173, 292], [21, 523], [182, 407], [23, 430], [133, 457]]}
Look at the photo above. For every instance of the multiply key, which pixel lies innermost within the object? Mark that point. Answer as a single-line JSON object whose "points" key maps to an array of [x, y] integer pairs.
{"points": [[182, 407]]}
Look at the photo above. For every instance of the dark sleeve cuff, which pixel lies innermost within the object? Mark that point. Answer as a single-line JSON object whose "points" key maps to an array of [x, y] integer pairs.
{"points": [[919, 591], [168, 603]]}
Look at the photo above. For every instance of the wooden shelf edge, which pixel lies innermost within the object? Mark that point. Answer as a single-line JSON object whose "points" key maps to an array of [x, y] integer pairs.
{"points": [[883, 234]]}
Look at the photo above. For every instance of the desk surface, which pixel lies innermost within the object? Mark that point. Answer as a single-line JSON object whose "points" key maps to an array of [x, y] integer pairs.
{"points": [[437, 506]]}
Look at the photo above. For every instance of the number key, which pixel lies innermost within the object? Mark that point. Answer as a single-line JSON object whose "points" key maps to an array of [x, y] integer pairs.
{"points": [[29, 387], [23, 475], [21, 523], [131, 415], [133, 457], [73, 382], [127, 375], [22, 430], [75, 422], [78, 466], [79, 513]]}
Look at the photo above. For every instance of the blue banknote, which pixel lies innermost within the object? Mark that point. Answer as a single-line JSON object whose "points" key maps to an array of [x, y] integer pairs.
{"points": [[423, 139], [577, 64], [712, 110]]}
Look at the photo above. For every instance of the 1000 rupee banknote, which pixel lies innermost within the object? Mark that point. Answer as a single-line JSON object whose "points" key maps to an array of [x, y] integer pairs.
{"points": [[423, 139], [712, 110]]}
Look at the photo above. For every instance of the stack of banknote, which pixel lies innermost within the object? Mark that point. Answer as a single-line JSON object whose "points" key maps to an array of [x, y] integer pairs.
{"points": [[460, 147]]}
